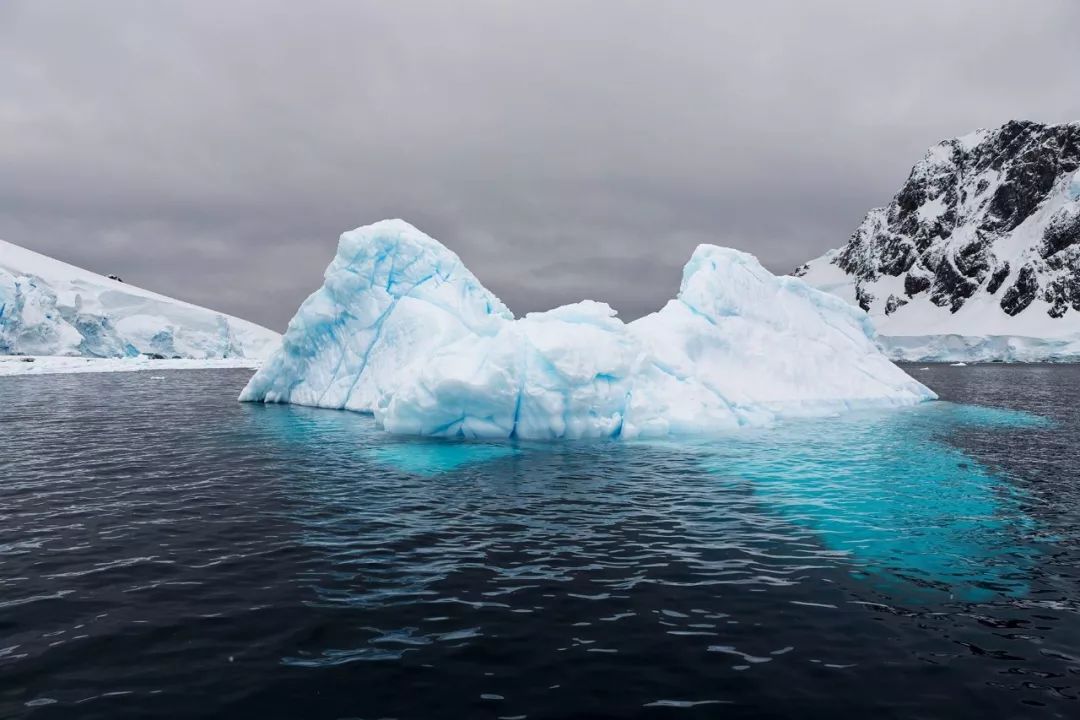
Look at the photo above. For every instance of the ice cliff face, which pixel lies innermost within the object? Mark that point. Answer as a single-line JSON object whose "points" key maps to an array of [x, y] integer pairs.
{"points": [[51, 308], [391, 295], [402, 329], [978, 254]]}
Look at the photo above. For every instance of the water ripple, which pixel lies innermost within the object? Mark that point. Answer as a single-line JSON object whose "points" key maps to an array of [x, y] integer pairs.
{"points": [[193, 556]]}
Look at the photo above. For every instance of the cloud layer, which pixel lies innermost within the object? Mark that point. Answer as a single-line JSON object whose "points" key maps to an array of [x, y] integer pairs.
{"points": [[214, 151]]}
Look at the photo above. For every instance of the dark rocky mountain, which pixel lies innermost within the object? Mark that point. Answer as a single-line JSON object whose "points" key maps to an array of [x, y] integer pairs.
{"points": [[989, 222], [996, 212]]}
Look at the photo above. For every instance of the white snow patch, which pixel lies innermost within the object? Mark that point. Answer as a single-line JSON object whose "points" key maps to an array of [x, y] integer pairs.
{"points": [[939, 154], [973, 139], [932, 209]]}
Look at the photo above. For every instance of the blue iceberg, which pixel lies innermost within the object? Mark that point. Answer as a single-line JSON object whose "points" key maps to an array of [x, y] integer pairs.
{"points": [[403, 330]]}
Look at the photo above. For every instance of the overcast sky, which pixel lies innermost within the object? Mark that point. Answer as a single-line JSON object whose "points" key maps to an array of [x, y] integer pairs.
{"points": [[214, 151]]}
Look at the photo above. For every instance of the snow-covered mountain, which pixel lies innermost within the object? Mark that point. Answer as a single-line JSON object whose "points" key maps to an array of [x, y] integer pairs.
{"points": [[48, 307], [977, 257]]}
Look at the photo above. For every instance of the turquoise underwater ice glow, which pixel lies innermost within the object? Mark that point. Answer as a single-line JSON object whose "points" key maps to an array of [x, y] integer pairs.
{"points": [[887, 490], [434, 457], [354, 438], [887, 495]]}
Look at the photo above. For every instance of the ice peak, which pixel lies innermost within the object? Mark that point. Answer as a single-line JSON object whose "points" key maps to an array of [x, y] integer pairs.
{"points": [[720, 281], [396, 256]]}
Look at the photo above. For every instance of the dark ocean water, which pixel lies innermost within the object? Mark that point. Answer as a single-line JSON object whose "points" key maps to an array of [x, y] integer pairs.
{"points": [[168, 552]]}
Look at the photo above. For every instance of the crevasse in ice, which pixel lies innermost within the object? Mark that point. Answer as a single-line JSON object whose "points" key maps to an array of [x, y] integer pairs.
{"points": [[402, 329]]}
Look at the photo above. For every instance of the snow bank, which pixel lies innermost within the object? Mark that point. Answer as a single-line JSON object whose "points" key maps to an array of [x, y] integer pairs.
{"points": [[51, 308], [402, 329]]}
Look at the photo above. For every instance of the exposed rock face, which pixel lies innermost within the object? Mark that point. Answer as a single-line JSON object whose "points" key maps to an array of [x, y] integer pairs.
{"points": [[1022, 292], [893, 304], [990, 221]]}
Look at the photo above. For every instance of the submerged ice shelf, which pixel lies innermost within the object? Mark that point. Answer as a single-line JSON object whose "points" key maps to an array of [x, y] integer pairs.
{"points": [[403, 330]]}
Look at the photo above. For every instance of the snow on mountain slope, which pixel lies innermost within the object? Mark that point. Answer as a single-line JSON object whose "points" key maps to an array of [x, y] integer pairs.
{"points": [[403, 330], [977, 257], [48, 307]]}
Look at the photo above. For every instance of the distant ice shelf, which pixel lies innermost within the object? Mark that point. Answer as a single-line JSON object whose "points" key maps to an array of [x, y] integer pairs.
{"points": [[52, 364], [981, 348], [402, 329]]}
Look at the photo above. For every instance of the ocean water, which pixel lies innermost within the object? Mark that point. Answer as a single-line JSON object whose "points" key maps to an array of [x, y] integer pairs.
{"points": [[168, 552]]}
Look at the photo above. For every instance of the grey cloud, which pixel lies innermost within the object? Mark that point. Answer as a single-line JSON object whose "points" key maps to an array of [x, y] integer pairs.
{"points": [[214, 151]]}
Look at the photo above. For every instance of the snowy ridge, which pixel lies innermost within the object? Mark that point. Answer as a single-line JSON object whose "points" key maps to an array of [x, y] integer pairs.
{"points": [[50, 308], [977, 257], [403, 330]]}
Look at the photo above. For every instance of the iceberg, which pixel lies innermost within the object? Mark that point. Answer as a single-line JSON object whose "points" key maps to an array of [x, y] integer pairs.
{"points": [[403, 330]]}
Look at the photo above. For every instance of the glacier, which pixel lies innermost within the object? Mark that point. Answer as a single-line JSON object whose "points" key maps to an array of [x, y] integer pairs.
{"points": [[50, 308], [403, 330]]}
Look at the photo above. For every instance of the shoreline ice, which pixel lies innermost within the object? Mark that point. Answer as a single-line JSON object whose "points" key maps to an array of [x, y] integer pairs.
{"points": [[23, 365]]}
